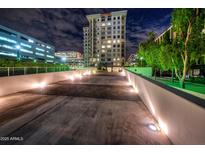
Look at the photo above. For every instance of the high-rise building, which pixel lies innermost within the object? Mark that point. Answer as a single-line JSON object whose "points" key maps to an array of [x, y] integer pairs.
{"points": [[19, 46], [105, 39], [73, 58]]}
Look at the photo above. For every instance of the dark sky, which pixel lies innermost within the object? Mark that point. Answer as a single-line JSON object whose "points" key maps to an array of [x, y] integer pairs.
{"points": [[63, 28]]}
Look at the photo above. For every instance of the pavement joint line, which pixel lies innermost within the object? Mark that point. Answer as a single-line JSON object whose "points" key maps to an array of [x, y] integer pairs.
{"points": [[7, 130]]}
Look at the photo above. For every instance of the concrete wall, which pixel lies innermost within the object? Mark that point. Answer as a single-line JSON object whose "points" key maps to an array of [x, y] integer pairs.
{"points": [[13, 84], [178, 114]]}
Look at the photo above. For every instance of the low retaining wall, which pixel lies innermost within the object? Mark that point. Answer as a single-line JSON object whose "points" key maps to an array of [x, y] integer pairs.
{"points": [[180, 115], [13, 84]]}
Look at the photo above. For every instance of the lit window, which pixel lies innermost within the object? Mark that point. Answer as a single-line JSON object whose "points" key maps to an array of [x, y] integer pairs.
{"points": [[7, 46], [7, 39], [49, 56], [118, 59], [31, 41], [8, 54], [39, 49], [108, 23], [39, 54], [114, 41], [103, 46], [51, 61], [48, 47], [109, 41], [26, 45], [103, 24], [114, 59], [118, 41], [26, 51], [108, 46], [103, 51]]}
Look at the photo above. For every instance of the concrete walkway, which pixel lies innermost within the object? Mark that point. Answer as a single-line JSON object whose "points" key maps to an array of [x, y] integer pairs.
{"points": [[98, 109]]}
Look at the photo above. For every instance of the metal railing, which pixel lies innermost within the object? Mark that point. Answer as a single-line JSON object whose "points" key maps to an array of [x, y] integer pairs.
{"points": [[12, 71]]}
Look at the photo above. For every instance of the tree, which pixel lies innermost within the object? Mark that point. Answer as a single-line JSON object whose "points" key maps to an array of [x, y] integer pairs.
{"points": [[184, 22], [149, 51]]}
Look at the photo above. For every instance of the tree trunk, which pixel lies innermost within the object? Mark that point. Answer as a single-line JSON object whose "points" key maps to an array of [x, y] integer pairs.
{"points": [[155, 72], [160, 73], [172, 75], [182, 83]]}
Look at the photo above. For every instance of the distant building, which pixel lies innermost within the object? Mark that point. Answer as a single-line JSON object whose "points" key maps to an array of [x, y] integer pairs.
{"points": [[74, 58], [105, 39], [132, 59], [16, 45]]}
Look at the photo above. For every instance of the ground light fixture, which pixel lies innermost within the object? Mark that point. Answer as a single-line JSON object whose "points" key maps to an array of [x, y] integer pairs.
{"points": [[122, 73], [87, 73], [40, 85], [153, 127], [71, 77], [94, 71], [79, 76]]}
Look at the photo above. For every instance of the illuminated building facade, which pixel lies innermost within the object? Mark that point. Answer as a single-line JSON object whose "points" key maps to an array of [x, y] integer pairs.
{"points": [[105, 39], [19, 46], [70, 57]]}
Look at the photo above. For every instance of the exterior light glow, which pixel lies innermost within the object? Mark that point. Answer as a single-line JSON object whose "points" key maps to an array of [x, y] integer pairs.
{"points": [[163, 126], [94, 71], [40, 85], [122, 73], [63, 59], [136, 89], [71, 78], [87, 73], [132, 90], [79, 76], [18, 46]]}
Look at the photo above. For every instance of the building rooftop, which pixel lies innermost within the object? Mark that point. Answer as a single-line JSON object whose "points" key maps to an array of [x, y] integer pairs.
{"points": [[123, 12]]}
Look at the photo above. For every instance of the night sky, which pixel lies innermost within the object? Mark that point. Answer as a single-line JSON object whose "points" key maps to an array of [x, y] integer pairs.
{"points": [[63, 28]]}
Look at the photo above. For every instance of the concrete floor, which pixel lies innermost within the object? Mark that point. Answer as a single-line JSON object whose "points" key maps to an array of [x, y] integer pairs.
{"points": [[98, 109]]}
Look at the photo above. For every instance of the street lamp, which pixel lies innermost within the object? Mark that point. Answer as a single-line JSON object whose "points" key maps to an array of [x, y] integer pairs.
{"points": [[63, 59], [18, 47]]}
